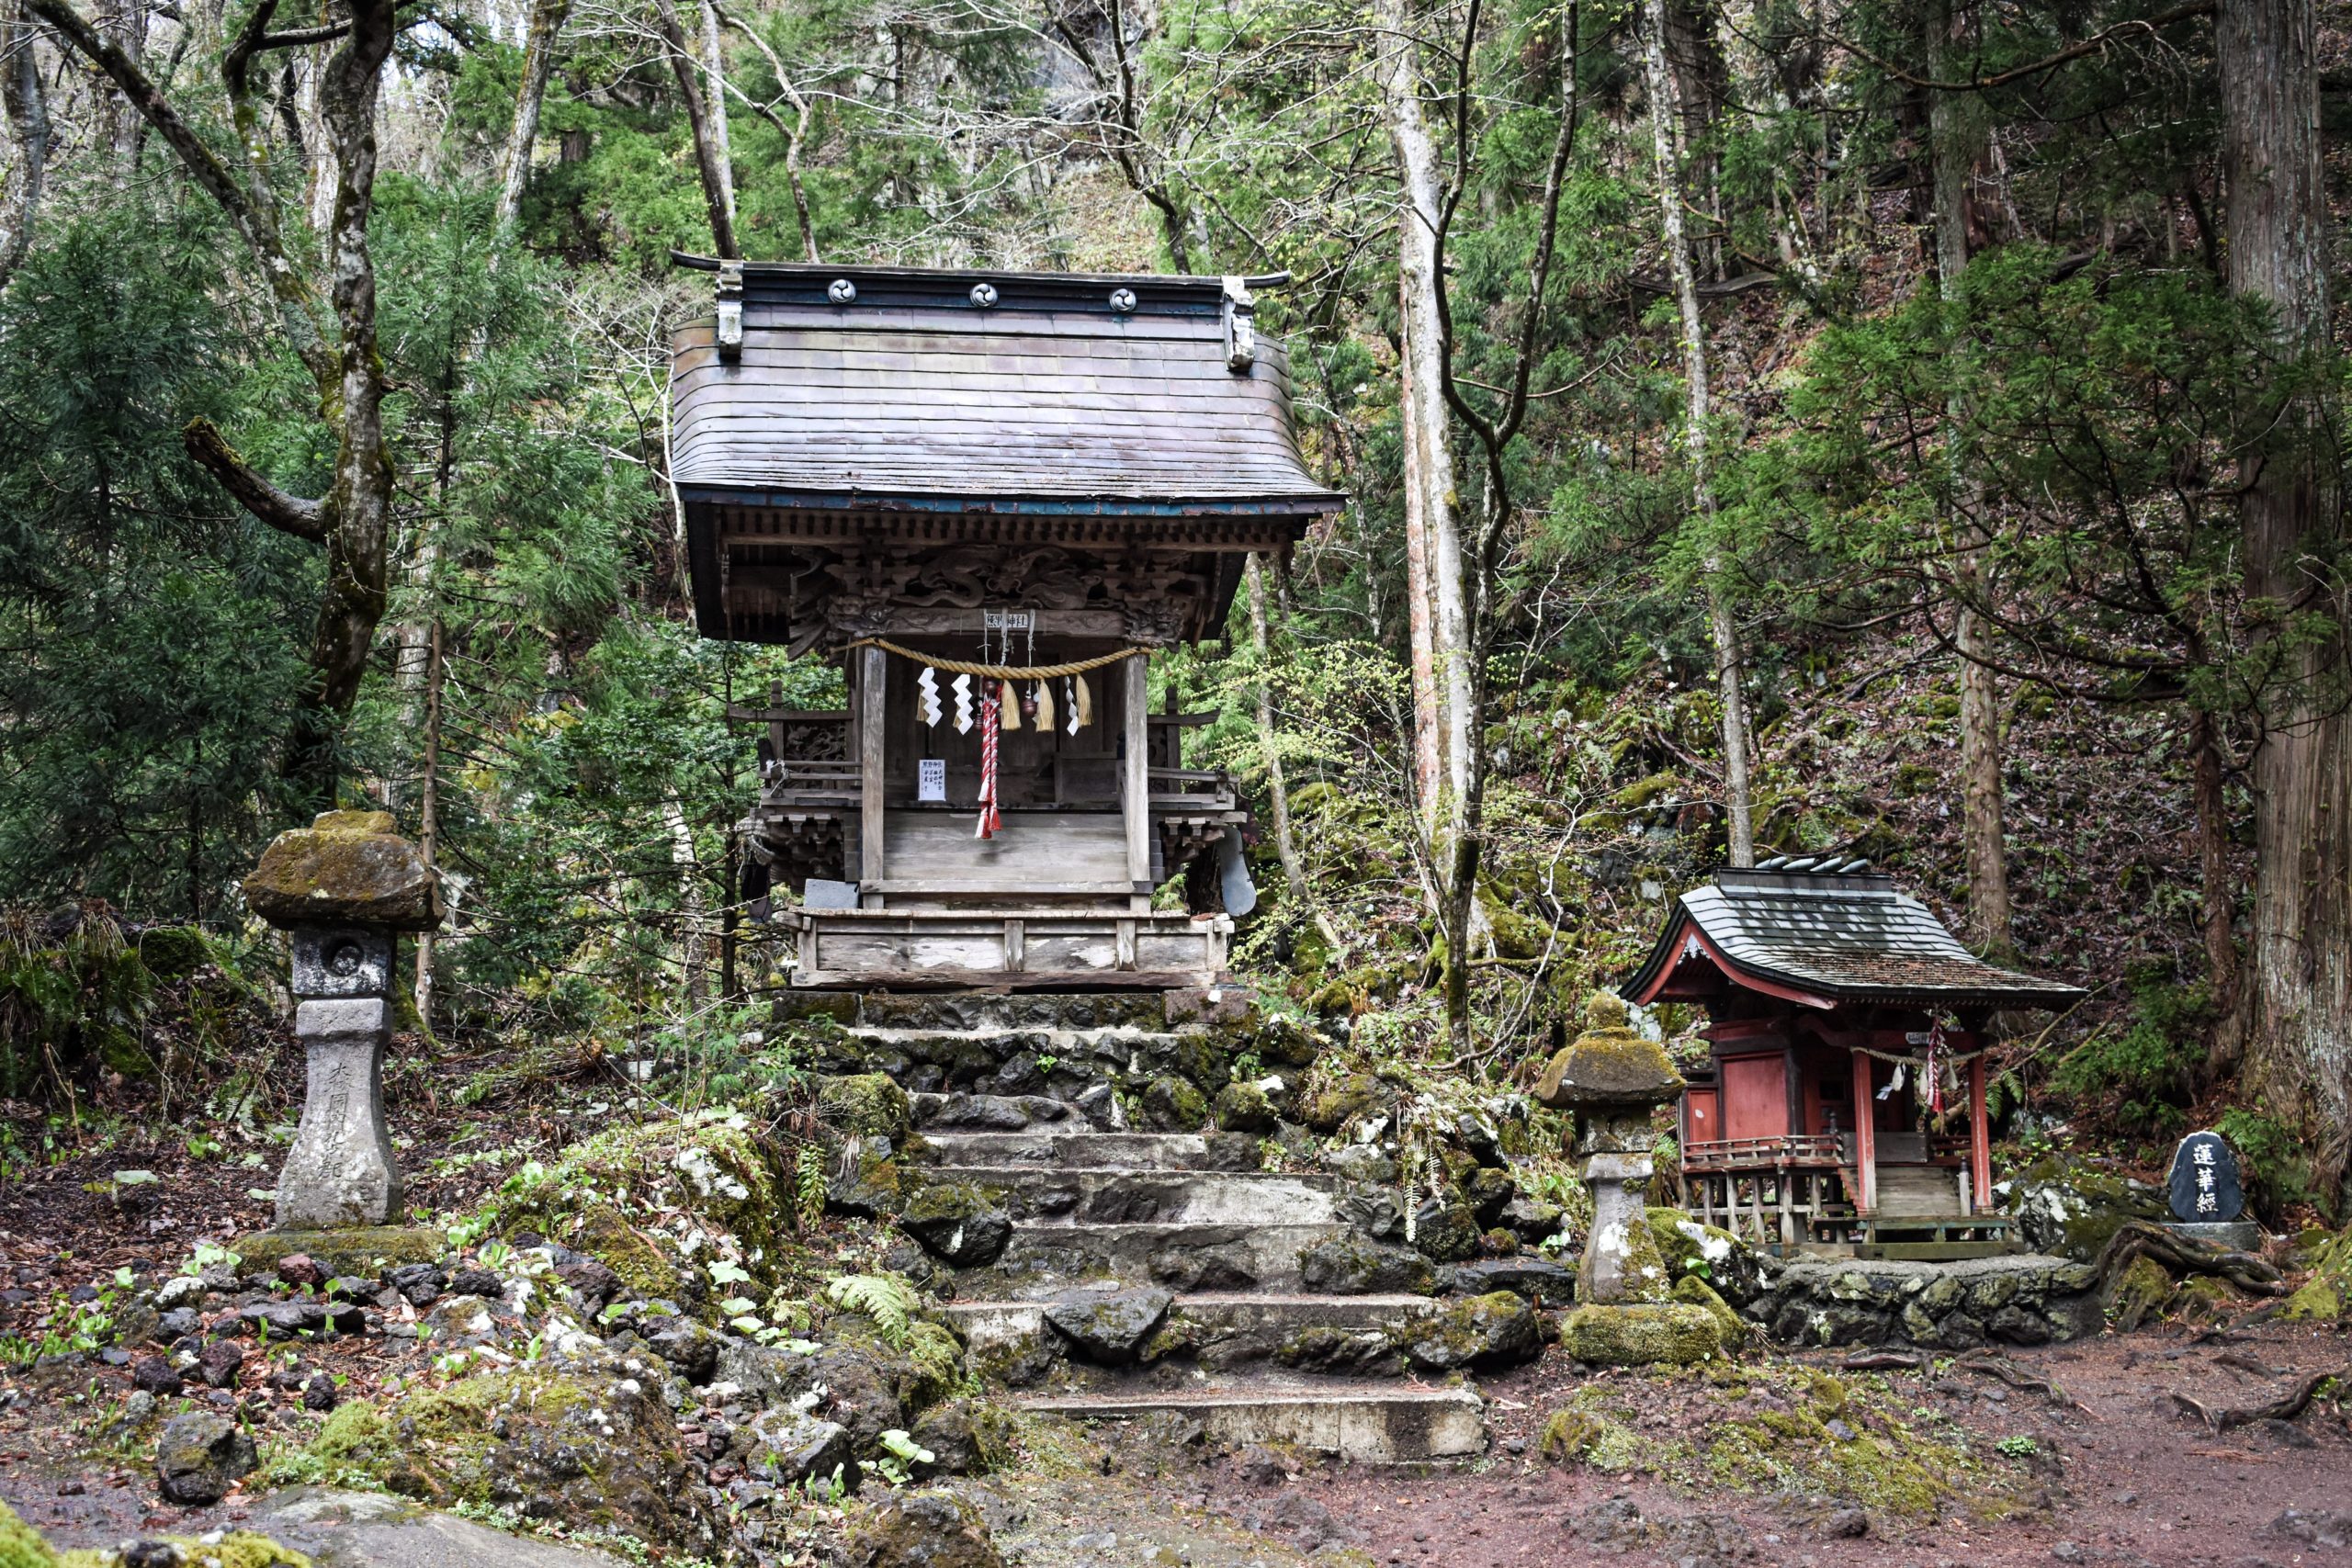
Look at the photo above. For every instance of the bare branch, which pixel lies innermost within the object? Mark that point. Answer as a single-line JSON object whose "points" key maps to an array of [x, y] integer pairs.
{"points": [[294, 514]]}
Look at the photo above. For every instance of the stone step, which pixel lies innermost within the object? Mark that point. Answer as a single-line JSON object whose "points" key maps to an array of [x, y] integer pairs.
{"points": [[1368, 1423], [1071, 1145], [977, 1009], [1221, 1328], [1193, 1197], [1190, 1258], [993, 1113]]}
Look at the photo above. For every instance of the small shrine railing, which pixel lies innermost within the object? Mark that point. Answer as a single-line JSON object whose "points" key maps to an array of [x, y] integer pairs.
{"points": [[1764, 1154]]}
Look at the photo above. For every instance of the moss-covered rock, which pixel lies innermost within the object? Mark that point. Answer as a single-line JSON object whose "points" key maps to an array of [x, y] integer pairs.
{"points": [[695, 1191], [1494, 1330], [2137, 1294], [362, 1251], [1691, 1291], [2327, 1295], [236, 1548], [1446, 1232], [966, 1436], [1353, 1266], [922, 1530], [20, 1545], [346, 868], [866, 1105], [199, 1456], [1244, 1108], [593, 1451], [1171, 1104], [958, 1224], [1641, 1334], [1329, 1109], [1709, 1252], [2070, 1209]]}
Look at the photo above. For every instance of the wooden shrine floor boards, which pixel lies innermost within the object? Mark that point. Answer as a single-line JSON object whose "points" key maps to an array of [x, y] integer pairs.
{"points": [[1064, 853], [1034, 948]]}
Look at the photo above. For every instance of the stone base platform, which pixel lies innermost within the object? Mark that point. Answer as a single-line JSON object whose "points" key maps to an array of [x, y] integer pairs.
{"points": [[2238, 1235], [2027, 1298], [365, 1250]]}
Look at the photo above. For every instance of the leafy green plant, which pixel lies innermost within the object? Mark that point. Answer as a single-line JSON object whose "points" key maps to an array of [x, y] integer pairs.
{"points": [[2277, 1162], [2018, 1446], [808, 1184], [885, 1299]]}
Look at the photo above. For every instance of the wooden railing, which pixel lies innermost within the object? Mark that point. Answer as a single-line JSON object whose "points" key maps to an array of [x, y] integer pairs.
{"points": [[1761, 1154]]}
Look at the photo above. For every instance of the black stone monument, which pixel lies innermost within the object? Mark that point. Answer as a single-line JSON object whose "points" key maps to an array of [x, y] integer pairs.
{"points": [[2205, 1190]]}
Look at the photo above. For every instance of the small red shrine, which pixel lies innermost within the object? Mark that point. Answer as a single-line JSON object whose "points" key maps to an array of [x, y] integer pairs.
{"points": [[1842, 1105]]}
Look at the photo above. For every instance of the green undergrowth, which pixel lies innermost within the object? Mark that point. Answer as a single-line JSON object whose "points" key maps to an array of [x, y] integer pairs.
{"points": [[21, 1546], [1762, 1428]]}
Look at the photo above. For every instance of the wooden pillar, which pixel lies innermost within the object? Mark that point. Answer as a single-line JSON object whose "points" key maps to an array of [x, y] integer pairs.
{"points": [[1135, 786], [1980, 1138], [1865, 1138], [873, 685]]}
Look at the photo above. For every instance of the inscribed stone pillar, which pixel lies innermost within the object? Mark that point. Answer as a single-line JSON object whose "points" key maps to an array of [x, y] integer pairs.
{"points": [[343, 888]]}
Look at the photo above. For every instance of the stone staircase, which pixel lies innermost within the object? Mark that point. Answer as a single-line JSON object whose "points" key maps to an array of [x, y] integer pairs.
{"points": [[1180, 1242]]}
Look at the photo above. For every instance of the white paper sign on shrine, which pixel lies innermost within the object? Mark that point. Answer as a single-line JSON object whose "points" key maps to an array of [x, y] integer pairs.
{"points": [[910, 471]]}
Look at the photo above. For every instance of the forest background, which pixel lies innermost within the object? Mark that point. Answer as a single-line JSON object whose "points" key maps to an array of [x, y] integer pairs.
{"points": [[1891, 429]]}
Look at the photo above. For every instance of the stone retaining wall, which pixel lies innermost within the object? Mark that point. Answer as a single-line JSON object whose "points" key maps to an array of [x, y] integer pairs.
{"points": [[2029, 1300]]}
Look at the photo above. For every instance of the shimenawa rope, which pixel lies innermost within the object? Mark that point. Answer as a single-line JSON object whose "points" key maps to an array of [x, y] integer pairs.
{"points": [[1002, 672]]}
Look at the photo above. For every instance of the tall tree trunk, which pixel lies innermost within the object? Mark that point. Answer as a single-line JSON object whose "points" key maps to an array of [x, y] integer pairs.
{"points": [[714, 77], [26, 102], [2298, 974], [718, 184], [1421, 281], [1429, 723], [1277, 790], [1960, 134], [1697, 412], [538, 63], [429, 825], [691, 913], [2217, 918]]}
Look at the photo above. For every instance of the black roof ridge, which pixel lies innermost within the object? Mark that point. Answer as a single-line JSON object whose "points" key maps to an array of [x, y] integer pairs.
{"points": [[1209, 282]]}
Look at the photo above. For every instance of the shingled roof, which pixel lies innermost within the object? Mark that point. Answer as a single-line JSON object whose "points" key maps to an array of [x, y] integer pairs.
{"points": [[1828, 939], [909, 388]]}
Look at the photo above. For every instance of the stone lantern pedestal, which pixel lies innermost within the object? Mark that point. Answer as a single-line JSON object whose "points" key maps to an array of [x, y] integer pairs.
{"points": [[342, 889], [1611, 1078]]}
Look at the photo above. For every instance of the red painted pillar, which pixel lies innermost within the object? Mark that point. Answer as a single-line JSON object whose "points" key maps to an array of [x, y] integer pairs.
{"points": [[1980, 1137], [1865, 1138]]}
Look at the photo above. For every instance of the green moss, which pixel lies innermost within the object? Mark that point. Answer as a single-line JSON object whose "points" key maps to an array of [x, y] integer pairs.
{"points": [[1691, 1291], [712, 1166], [1641, 1334], [365, 1250], [1647, 1278], [603, 1235], [866, 1105], [2328, 1294], [238, 1548], [1171, 1104], [1345, 1098], [2137, 1294], [20, 1545], [1570, 1435]]}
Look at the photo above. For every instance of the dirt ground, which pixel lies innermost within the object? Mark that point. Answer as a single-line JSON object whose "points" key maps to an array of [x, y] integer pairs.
{"points": [[2115, 1472]]}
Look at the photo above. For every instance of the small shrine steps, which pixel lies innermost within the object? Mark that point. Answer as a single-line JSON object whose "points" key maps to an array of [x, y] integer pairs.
{"points": [[1187, 1212]]}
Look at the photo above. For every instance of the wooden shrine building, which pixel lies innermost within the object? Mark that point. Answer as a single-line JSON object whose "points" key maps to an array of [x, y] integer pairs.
{"points": [[1843, 1101], [993, 497]]}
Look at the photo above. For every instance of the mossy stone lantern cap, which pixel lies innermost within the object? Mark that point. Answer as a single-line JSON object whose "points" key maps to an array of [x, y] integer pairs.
{"points": [[1609, 1071], [343, 889], [345, 868]]}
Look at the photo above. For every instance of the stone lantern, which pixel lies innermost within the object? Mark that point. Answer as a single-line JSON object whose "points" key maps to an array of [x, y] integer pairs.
{"points": [[343, 889], [1611, 1078]]}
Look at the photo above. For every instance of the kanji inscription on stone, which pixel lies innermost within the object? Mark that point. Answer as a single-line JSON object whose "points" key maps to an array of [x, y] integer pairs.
{"points": [[2205, 1185]]}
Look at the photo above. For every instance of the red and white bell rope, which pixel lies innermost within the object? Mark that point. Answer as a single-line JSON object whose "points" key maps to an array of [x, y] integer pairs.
{"points": [[990, 706]]}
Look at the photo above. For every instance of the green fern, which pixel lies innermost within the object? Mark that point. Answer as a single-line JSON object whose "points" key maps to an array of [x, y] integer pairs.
{"points": [[885, 1299], [809, 1185]]}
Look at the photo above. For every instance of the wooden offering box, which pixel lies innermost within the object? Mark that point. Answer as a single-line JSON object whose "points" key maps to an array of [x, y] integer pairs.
{"points": [[1842, 1105], [1028, 482]]}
